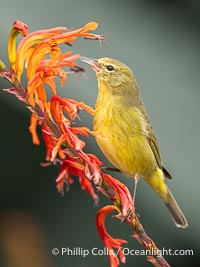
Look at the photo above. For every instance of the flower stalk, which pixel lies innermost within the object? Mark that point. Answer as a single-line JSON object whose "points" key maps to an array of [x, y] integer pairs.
{"points": [[40, 54]]}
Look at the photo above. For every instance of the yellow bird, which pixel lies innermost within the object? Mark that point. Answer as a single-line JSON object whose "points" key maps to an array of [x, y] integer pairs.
{"points": [[124, 132]]}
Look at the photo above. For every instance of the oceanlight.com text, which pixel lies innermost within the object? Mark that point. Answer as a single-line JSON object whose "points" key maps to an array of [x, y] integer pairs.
{"points": [[83, 252]]}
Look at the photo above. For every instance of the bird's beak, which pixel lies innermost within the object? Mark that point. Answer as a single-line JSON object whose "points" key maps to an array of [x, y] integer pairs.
{"points": [[91, 62]]}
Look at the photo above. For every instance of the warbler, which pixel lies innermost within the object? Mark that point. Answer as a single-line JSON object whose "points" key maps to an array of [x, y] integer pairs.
{"points": [[124, 132]]}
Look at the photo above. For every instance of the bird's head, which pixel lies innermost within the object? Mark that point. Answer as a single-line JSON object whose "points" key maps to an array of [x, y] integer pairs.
{"points": [[112, 73]]}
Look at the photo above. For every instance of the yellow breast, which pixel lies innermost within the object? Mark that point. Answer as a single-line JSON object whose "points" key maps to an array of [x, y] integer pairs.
{"points": [[122, 138]]}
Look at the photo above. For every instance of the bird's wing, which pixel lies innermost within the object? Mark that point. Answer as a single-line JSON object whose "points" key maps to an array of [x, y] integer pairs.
{"points": [[153, 143], [154, 147]]}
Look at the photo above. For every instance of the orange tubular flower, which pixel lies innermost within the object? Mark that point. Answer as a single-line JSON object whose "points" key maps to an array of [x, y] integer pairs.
{"points": [[18, 27], [32, 129], [70, 106], [49, 141], [120, 195], [109, 241], [74, 167]]}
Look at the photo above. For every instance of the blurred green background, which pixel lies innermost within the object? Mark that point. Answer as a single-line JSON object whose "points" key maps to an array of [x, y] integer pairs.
{"points": [[160, 41]]}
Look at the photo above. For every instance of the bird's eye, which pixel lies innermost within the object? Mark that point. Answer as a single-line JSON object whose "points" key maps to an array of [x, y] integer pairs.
{"points": [[110, 67]]}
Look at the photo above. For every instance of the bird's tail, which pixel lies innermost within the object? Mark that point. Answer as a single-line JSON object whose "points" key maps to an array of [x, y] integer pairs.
{"points": [[175, 211], [157, 182]]}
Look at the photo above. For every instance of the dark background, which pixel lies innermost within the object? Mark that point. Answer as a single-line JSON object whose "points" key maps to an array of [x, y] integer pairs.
{"points": [[160, 41]]}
